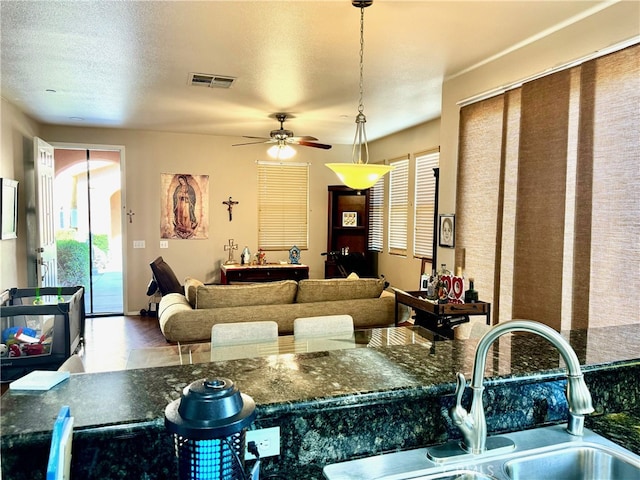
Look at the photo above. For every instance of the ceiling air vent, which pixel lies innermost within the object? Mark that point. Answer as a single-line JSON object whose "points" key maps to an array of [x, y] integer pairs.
{"points": [[213, 81]]}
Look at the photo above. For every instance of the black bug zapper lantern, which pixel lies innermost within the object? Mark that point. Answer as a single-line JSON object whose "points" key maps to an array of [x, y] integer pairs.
{"points": [[208, 424]]}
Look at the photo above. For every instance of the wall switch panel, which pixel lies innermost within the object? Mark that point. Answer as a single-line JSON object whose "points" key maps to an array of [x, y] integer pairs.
{"points": [[138, 244], [164, 244], [267, 440]]}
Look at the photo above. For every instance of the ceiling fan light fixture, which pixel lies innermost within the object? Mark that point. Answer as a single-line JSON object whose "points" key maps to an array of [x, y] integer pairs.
{"points": [[359, 174], [281, 151]]}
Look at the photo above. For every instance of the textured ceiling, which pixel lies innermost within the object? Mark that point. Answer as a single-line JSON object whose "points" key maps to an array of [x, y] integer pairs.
{"points": [[125, 64]]}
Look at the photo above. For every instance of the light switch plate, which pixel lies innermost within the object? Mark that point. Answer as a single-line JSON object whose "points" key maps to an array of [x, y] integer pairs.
{"points": [[138, 244], [164, 244]]}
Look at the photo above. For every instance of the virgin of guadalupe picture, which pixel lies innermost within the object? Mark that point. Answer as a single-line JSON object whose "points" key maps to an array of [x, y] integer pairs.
{"points": [[184, 206]]}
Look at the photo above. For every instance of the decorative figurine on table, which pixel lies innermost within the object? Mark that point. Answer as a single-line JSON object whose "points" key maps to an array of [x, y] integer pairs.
{"points": [[294, 255], [261, 257], [245, 256]]}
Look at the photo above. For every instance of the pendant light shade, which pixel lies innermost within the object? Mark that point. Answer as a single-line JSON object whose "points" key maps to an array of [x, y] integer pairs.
{"points": [[359, 174]]}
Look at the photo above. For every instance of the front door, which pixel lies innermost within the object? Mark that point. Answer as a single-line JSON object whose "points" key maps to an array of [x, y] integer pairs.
{"points": [[43, 231]]}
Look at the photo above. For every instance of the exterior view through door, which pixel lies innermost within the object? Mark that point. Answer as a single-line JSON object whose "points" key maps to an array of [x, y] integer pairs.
{"points": [[88, 226]]}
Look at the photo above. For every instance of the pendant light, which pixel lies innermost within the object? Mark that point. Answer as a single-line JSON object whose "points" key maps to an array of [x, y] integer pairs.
{"points": [[359, 174]]}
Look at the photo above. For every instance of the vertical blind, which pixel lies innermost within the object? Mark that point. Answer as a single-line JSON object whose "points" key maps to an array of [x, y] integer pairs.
{"points": [[398, 206], [547, 196], [283, 205], [425, 192]]}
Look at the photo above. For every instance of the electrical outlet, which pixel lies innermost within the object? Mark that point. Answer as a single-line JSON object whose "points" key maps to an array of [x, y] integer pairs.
{"points": [[138, 244], [164, 244], [267, 440]]}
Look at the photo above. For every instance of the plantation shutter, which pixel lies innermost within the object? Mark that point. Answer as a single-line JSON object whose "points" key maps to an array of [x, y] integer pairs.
{"points": [[283, 205], [398, 206], [376, 216], [425, 203]]}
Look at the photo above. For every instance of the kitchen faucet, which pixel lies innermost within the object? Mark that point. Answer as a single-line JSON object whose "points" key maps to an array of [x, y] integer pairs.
{"points": [[473, 425]]}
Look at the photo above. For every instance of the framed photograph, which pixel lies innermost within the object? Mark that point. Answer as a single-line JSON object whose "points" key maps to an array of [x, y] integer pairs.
{"points": [[349, 219], [9, 208], [447, 237]]}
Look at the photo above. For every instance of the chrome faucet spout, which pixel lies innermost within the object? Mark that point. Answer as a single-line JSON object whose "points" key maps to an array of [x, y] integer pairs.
{"points": [[473, 425]]}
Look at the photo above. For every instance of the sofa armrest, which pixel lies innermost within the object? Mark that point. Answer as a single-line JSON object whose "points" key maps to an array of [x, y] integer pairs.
{"points": [[173, 302]]}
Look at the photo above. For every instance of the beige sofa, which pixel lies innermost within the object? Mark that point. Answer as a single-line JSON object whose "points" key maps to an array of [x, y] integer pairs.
{"points": [[189, 317]]}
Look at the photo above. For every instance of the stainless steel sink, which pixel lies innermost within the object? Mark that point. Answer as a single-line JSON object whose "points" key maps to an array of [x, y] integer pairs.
{"points": [[541, 453], [574, 463], [459, 475]]}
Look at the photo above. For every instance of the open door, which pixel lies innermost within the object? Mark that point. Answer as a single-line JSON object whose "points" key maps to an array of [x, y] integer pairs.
{"points": [[41, 231]]}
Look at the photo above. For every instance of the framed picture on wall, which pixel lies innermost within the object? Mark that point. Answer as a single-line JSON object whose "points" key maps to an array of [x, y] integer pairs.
{"points": [[447, 236], [9, 208]]}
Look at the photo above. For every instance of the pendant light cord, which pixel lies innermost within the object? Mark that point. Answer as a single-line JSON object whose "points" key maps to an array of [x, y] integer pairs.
{"points": [[361, 105], [358, 156]]}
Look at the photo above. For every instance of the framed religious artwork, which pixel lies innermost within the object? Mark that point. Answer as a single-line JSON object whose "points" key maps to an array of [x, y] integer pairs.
{"points": [[9, 208]]}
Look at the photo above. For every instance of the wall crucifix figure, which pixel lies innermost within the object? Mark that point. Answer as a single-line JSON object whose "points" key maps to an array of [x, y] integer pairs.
{"points": [[230, 203]]}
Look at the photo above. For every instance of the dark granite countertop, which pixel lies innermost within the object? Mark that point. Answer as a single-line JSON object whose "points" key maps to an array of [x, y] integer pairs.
{"points": [[296, 381], [622, 428]]}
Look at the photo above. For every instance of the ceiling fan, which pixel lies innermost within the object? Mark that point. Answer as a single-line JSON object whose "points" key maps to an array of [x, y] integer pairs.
{"points": [[284, 137]]}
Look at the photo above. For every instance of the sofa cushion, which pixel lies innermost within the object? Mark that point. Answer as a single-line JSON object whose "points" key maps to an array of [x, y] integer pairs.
{"points": [[332, 289], [269, 293], [190, 288]]}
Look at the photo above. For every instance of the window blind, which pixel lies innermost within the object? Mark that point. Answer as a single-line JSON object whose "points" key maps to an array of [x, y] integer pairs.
{"points": [[398, 206], [425, 191], [283, 205], [547, 204], [376, 216]]}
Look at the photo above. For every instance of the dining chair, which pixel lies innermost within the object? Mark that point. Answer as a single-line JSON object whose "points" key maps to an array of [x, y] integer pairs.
{"points": [[73, 364], [231, 341], [323, 326]]}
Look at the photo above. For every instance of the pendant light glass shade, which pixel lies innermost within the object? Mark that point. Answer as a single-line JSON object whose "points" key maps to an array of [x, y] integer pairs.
{"points": [[359, 174]]}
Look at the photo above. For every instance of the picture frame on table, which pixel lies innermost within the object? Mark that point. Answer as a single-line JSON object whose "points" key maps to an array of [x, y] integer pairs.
{"points": [[349, 219], [8, 208], [447, 235]]}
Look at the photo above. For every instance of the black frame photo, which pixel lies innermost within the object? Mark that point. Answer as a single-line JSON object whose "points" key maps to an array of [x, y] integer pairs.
{"points": [[8, 208], [447, 230]]}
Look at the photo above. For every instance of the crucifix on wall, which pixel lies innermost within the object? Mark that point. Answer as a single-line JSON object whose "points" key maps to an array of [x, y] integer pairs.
{"points": [[230, 203]]}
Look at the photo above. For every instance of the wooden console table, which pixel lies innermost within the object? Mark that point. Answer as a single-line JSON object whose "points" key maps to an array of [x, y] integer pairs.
{"points": [[440, 318], [262, 273]]}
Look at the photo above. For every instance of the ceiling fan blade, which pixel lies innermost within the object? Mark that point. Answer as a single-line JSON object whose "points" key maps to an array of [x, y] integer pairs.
{"points": [[314, 144], [261, 138], [304, 138], [251, 143]]}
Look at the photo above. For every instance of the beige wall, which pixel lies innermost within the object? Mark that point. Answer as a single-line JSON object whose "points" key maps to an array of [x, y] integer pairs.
{"points": [[404, 271], [232, 172], [17, 135]]}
